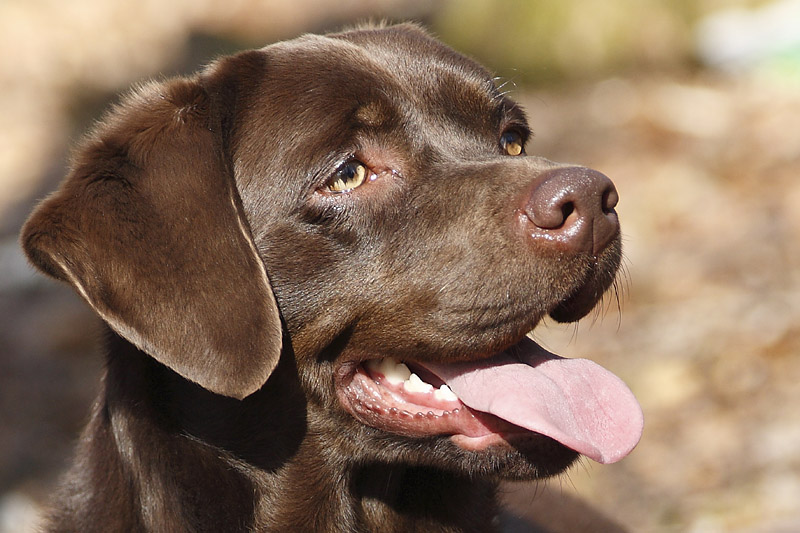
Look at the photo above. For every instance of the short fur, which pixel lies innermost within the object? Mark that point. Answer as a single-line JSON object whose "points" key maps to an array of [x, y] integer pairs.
{"points": [[238, 293]]}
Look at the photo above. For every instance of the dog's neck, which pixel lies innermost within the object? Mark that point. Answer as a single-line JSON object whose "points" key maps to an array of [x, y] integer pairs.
{"points": [[150, 443], [423, 499], [374, 498]]}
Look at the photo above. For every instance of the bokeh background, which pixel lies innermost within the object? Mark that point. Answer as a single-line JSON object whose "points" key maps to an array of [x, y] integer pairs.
{"points": [[692, 107]]}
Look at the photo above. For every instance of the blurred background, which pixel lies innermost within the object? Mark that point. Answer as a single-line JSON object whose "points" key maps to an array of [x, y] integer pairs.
{"points": [[691, 107]]}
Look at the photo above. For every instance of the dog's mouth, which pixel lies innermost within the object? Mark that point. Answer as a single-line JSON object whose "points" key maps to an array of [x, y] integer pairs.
{"points": [[516, 394]]}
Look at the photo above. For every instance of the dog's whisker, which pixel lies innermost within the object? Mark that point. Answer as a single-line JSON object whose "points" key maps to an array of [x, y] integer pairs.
{"points": [[500, 89]]}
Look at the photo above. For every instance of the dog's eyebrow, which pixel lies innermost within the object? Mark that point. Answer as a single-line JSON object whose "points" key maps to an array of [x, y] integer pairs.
{"points": [[372, 114], [513, 112]]}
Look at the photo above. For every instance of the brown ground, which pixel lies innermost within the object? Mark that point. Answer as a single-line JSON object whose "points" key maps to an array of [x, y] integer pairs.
{"points": [[708, 337]]}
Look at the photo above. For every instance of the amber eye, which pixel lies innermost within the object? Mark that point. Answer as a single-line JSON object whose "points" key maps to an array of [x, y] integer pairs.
{"points": [[349, 176], [511, 142]]}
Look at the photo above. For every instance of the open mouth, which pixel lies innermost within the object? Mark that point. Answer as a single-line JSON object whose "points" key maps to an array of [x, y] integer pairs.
{"points": [[519, 392], [389, 395]]}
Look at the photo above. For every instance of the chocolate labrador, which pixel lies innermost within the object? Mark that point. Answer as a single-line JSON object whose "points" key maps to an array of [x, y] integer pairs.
{"points": [[318, 263]]}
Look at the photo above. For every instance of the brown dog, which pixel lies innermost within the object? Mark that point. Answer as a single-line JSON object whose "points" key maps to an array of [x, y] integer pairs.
{"points": [[277, 243]]}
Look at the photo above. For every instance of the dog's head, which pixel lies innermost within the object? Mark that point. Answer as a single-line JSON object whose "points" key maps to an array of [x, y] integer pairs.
{"points": [[369, 194]]}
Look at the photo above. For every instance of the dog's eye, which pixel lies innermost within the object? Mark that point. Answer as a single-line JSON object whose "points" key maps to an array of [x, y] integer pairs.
{"points": [[349, 176], [511, 142]]}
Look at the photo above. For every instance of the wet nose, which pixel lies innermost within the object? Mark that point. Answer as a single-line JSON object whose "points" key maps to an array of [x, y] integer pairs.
{"points": [[574, 207]]}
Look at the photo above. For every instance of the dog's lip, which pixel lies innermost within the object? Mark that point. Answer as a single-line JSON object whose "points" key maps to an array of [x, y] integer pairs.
{"points": [[598, 278], [374, 402], [580, 302]]}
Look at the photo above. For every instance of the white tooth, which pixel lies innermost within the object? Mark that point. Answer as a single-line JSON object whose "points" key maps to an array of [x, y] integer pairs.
{"points": [[444, 393], [414, 384], [395, 373]]}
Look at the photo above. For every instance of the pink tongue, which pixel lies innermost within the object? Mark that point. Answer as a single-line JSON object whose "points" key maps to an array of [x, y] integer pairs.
{"points": [[574, 401]]}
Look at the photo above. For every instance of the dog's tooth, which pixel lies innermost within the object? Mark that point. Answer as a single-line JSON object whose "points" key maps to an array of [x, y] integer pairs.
{"points": [[394, 372], [415, 384], [444, 393]]}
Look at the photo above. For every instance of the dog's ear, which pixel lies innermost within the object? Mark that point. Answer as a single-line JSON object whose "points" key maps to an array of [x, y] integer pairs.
{"points": [[148, 227]]}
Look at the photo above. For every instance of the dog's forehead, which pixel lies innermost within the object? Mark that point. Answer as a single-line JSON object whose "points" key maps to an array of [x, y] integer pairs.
{"points": [[413, 55], [376, 68]]}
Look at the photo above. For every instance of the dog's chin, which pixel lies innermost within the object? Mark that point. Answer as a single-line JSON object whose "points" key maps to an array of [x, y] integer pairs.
{"points": [[582, 301], [427, 421], [600, 275]]}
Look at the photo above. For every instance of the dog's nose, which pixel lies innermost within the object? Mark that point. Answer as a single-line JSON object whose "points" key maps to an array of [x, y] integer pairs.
{"points": [[574, 207]]}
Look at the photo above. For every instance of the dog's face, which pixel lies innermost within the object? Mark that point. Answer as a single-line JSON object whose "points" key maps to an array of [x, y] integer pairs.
{"points": [[376, 182]]}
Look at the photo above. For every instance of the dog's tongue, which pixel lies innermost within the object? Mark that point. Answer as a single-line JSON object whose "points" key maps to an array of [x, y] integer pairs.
{"points": [[574, 401]]}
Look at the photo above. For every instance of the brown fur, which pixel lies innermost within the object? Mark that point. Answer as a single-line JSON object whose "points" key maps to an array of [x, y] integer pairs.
{"points": [[237, 295]]}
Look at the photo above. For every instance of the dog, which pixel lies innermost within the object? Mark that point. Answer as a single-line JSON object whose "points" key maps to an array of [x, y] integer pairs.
{"points": [[318, 263]]}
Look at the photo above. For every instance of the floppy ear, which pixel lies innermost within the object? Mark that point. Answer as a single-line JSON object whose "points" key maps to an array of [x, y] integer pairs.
{"points": [[148, 227]]}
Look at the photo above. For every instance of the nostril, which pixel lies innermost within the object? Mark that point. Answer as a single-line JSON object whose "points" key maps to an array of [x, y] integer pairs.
{"points": [[567, 209], [610, 199]]}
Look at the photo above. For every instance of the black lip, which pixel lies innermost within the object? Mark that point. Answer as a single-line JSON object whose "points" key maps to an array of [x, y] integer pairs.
{"points": [[579, 304], [602, 272]]}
